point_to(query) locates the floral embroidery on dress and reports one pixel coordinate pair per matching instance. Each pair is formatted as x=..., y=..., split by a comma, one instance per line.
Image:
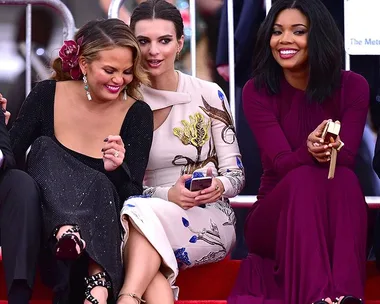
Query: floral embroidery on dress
x=221, y=115
x=236, y=177
x=149, y=191
x=182, y=257
x=210, y=236
x=195, y=132
x=225, y=208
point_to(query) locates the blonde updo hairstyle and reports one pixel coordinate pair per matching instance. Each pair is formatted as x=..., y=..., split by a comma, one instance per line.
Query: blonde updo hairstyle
x=99, y=35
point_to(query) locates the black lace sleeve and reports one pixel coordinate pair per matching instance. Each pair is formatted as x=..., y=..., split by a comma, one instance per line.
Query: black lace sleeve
x=137, y=135
x=28, y=125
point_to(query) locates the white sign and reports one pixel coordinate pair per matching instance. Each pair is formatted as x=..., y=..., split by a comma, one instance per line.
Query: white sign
x=362, y=27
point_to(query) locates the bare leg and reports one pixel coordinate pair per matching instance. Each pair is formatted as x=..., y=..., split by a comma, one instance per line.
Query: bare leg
x=142, y=262
x=100, y=293
x=159, y=291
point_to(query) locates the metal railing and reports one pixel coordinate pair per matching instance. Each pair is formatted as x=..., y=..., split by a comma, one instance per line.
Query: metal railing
x=68, y=28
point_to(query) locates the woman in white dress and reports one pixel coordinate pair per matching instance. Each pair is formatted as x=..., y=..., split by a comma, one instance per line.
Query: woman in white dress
x=170, y=227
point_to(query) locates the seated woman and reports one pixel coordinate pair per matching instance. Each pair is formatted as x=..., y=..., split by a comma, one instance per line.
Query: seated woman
x=90, y=138
x=172, y=227
x=306, y=234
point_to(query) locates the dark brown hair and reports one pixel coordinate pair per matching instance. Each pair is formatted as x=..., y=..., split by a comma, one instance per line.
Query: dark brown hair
x=158, y=9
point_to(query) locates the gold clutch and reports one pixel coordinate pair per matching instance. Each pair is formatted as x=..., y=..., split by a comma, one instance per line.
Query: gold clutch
x=329, y=135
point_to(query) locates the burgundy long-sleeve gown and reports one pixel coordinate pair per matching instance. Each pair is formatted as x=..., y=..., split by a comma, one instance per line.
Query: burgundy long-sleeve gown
x=306, y=234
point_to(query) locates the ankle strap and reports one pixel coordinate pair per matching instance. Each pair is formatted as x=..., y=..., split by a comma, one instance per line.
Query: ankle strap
x=132, y=295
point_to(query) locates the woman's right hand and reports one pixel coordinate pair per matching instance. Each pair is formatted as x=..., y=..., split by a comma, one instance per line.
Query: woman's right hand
x=316, y=146
x=181, y=196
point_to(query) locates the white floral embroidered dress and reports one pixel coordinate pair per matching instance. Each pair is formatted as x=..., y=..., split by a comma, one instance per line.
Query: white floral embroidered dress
x=197, y=134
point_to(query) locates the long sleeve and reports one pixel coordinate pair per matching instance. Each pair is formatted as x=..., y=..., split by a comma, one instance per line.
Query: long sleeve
x=7, y=158
x=27, y=126
x=355, y=110
x=230, y=167
x=269, y=135
x=137, y=138
x=158, y=192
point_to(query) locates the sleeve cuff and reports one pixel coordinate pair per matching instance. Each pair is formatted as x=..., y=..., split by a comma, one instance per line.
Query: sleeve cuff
x=162, y=193
x=229, y=191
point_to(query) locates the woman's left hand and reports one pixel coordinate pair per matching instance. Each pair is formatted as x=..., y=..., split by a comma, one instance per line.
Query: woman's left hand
x=3, y=105
x=212, y=193
x=113, y=152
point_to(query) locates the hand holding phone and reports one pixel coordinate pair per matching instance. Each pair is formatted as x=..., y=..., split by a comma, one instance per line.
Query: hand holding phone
x=200, y=183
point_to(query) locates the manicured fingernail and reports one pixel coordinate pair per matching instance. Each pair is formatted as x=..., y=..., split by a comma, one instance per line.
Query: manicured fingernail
x=327, y=153
x=106, y=139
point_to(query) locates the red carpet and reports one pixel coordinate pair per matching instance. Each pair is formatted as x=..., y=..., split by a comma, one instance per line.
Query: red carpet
x=209, y=284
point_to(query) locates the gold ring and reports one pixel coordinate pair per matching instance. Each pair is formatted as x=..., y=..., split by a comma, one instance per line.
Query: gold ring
x=216, y=188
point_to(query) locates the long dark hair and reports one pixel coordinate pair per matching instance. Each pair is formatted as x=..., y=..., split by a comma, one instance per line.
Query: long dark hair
x=325, y=50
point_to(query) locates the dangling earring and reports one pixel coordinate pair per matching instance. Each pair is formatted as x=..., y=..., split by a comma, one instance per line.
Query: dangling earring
x=125, y=96
x=86, y=87
x=177, y=56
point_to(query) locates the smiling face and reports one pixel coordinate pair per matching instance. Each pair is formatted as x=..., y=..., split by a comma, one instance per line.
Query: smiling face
x=289, y=40
x=159, y=45
x=109, y=74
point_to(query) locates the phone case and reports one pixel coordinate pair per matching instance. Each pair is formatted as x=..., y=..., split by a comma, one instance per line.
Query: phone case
x=200, y=183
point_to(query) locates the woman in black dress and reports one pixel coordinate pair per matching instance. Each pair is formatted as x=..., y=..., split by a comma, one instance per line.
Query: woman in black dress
x=90, y=137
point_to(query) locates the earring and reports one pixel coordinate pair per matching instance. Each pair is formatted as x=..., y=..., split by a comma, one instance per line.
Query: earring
x=125, y=96
x=177, y=56
x=86, y=87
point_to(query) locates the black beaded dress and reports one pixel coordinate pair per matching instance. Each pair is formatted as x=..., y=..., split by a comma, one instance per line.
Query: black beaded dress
x=75, y=188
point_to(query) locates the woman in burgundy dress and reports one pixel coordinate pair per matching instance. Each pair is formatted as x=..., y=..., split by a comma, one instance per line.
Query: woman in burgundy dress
x=306, y=234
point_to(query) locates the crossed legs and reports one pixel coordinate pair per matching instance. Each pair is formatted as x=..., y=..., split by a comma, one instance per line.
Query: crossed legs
x=143, y=279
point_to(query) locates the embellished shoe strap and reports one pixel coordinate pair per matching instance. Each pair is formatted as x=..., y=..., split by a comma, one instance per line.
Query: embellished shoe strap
x=95, y=277
x=132, y=295
x=73, y=229
x=94, y=281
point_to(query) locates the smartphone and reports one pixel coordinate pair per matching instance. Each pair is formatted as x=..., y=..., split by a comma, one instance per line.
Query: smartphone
x=200, y=183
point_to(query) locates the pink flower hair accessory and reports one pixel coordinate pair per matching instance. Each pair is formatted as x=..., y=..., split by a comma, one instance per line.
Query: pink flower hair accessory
x=69, y=54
